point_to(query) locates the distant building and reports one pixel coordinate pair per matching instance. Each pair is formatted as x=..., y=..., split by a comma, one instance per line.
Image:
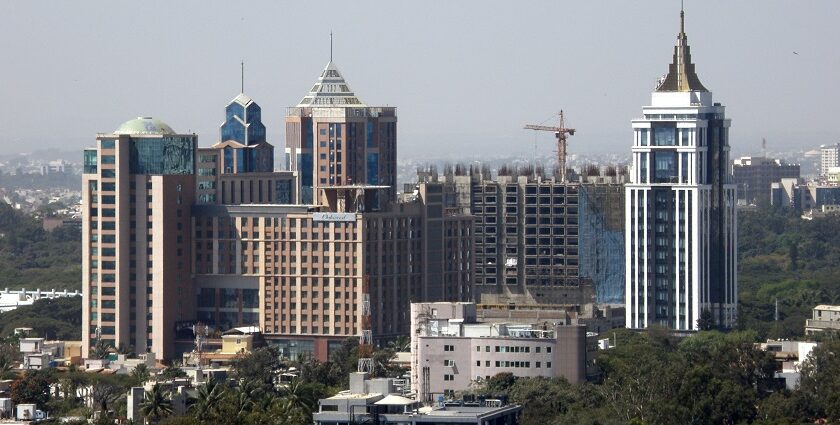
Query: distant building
x=451, y=349
x=51, y=223
x=381, y=401
x=10, y=300
x=789, y=356
x=825, y=318
x=802, y=196
x=829, y=158
x=753, y=177
x=681, y=239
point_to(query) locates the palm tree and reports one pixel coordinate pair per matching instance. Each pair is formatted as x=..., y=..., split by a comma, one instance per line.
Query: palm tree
x=141, y=373
x=208, y=400
x=242, y=403
x=128, y=350
x=100, y=350
x=400, y=345
x=298, y=396
x=156, y=403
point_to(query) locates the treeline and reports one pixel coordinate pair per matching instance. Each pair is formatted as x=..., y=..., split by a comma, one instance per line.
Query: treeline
x=31, y=257
x=58, y=318
x=41, y=181
x=783, y=257
x=653, y=378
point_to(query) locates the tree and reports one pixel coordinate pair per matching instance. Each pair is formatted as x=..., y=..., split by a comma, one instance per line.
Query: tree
x=706, y=322
x=171, y=372
x=819, y=384
x=300, y=396
x=32, y=387
x=100, y=350
x=141, y=373
x=104, y=395
x=156, y=403
x=207, y=402
x=260, y=365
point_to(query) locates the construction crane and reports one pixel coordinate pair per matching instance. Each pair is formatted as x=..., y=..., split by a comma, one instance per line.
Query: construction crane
x=560, y=132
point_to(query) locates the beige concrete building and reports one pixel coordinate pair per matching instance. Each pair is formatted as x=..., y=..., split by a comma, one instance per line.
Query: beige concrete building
x=137, y=189
x=301, y=273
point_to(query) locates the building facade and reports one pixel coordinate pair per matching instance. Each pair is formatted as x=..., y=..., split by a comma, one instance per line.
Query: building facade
x=824, y=318
x=805, y=196
x=753, y=176
x=302, y=275
x=333, y=139
x=451, y=349
x=137, y=189
x=176, y=235
x=680, y=206
x=383, y=401
x=829, y=157
x=539, y=240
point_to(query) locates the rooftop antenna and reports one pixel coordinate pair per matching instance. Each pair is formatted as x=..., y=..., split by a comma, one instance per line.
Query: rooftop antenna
x=331, y=45
x=682, y=17
x=242, y=77
x=764, y=146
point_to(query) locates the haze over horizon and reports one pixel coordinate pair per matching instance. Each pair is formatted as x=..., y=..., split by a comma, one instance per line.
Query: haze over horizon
x=465, y=76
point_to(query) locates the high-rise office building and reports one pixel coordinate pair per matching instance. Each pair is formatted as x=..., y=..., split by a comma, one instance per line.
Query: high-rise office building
x=333, y=139
x=137, y=190
x=680, y=206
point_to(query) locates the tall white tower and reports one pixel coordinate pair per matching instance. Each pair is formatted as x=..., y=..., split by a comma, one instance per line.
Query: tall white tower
x=681, y=247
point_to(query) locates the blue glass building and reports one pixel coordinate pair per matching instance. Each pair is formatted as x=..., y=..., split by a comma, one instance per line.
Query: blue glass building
x=243, y=125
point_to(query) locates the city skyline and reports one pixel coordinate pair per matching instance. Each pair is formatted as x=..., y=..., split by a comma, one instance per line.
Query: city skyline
x=485, y=69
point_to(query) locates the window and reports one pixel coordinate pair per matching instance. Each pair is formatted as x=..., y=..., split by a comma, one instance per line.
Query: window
x=548, y=364
x=548, y=350
x=449, y=363
x=448, y=348
x=448, y=377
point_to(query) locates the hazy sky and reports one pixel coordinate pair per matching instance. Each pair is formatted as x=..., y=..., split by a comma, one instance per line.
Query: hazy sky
x=465, y=75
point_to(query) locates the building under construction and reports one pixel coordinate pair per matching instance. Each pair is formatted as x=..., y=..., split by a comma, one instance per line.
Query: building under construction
x=540, y=239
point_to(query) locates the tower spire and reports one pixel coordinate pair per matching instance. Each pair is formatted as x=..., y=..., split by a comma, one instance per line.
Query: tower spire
x=681, y=76
x=242, y=77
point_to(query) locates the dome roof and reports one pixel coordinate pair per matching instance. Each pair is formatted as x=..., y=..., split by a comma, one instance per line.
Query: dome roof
x=144, y=125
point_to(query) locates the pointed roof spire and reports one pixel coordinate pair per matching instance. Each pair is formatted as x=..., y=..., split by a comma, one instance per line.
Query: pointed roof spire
x=242, y=77
x=331, y=90
x=681, y=75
